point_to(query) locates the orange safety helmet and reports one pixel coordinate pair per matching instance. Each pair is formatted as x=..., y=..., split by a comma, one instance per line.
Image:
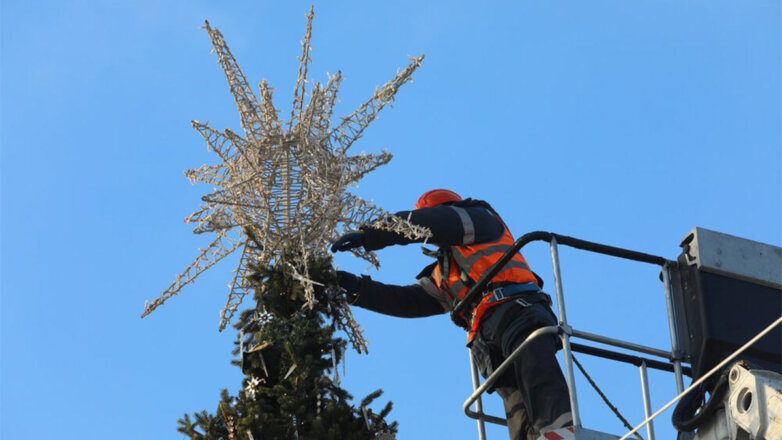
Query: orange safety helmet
x=436, y=197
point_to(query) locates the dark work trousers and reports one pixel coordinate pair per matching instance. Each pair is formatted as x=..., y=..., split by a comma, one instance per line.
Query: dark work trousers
x=534, y=390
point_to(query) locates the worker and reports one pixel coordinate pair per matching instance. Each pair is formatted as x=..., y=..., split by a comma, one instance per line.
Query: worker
x=470, y=237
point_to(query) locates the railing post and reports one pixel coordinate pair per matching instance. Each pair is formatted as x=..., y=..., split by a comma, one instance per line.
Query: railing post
x=499, y=371
x=677, y=363
x=571, y=382
x=647, y=400
x=479, y=401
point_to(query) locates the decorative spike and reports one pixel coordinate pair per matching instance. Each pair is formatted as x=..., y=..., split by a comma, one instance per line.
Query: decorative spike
x=271, y=120
x=246, y=102
x=351, y=127
x=330, y=98
x=336, y=378
x=217, y=142
x=263, y=364
x=301, y=81
x=290, y=371
x=239, y=289
x=220, y=248
x=209, y=174
x=358, y=166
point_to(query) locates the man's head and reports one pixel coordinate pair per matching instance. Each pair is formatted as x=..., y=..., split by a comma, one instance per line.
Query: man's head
x=436, y=197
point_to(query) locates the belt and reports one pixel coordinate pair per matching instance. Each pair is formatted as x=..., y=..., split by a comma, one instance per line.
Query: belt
x=519, y=290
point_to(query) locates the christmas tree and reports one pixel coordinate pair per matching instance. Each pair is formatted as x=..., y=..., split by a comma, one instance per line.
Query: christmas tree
x=290, y=354
x=280, y=199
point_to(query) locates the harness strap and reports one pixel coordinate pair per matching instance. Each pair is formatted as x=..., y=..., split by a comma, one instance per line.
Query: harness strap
x=526, y=292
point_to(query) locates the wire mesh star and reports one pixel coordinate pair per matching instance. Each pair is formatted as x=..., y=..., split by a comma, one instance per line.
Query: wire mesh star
x=281, y=191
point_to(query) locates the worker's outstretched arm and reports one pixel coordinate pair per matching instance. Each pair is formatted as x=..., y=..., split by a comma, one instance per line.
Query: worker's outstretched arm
x=451, y=225
x=412, y=301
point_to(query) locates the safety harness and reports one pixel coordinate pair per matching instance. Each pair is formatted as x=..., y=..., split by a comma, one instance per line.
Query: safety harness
x=459, y=267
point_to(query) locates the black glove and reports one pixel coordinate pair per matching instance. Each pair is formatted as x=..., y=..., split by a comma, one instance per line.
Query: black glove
x=347, y=287
x=349, y=241
x=349, y=282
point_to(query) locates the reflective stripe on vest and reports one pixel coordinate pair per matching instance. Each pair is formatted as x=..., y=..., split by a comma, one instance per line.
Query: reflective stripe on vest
x=464, y=265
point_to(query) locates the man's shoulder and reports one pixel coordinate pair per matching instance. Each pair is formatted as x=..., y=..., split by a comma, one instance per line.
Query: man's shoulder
x=476, y=204
x=473, y=203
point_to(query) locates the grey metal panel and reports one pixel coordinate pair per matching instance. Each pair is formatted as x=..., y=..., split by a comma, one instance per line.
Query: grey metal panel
x=734, y=257
x=679, y=317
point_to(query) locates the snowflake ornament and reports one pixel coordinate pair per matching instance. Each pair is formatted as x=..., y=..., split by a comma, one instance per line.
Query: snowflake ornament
x=281, y=190
x=252, y=386
x=262, y=318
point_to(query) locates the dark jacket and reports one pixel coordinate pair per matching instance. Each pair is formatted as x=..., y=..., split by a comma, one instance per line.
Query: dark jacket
x=459, y=223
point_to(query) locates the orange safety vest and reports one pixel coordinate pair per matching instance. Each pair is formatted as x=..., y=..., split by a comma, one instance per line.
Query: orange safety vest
x=465, y=265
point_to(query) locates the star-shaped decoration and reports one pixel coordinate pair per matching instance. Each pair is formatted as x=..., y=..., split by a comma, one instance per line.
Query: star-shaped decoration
x=281, y=190
x=252, y=386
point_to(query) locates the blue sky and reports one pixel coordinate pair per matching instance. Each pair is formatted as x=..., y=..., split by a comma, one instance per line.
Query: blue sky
x=622, y=123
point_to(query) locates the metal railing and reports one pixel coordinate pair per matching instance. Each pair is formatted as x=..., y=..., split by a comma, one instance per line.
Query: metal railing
x=565, y=331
